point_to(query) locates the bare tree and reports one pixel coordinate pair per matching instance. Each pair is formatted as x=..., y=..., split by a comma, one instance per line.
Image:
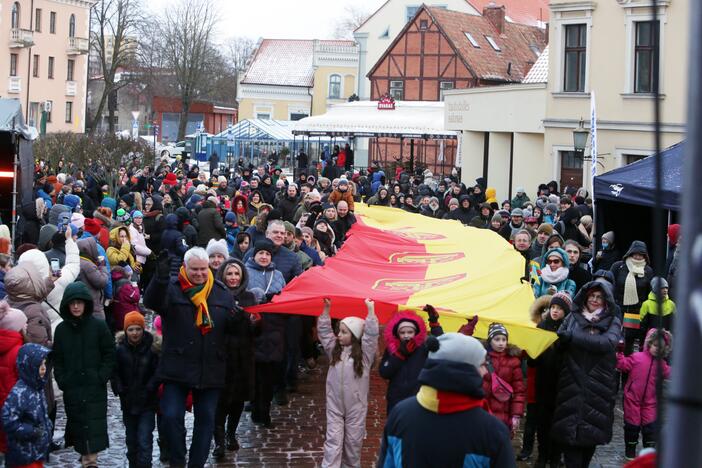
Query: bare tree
x=113, y=45
x=353, y=17
x=188, y=52
x=238, y=51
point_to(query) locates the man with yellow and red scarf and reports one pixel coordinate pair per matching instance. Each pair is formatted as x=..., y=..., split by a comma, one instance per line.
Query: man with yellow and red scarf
x=196, y=313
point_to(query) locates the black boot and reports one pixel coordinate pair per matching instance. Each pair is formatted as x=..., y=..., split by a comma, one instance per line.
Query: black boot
x=232, y=443
x=631, y=440
x=218, y=452
x=630, y=450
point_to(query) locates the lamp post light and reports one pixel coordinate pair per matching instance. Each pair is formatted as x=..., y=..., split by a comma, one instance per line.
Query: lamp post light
x=580, y=135
x=135, y=124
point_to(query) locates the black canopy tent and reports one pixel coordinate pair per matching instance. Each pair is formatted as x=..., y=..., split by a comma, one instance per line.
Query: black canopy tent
x=625, y=197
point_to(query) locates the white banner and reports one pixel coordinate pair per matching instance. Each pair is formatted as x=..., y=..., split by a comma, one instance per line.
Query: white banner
x=593, y=144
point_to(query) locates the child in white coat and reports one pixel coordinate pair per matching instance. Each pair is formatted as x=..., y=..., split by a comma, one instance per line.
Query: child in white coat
x=351, y=354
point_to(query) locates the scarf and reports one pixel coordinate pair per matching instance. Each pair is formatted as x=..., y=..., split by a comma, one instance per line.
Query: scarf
x=441, y=402
x=198, y=295
x=554, y=277
x=636, y=268
x=592, y=317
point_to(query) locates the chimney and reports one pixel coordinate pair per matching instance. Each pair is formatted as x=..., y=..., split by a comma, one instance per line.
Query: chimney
x=496, y=15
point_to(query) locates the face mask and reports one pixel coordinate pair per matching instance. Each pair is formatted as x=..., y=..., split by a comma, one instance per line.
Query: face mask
x=605, y=245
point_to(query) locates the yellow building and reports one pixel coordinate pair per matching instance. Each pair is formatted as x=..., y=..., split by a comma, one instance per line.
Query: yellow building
x=293, y=79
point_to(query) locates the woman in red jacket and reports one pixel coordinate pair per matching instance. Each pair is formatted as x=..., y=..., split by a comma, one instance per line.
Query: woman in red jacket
x=504, y=386
x=13, y=324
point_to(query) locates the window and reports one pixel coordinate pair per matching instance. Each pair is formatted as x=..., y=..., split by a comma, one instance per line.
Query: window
x=69, y=112
x=645, y=56
x=35, y=66
x=263, y=116
x=397, y=90
x=37, y=20
x=632, y=158
x=50, y=70
x=335, y=86
x=423, y=25
x=52, y=22
x=34, y=112
x=446, y=85
x=411, y=11
x=575, y=48
x=13, y=64
x=15, y=21
x=69, y=73
x=72, y=26
x=492, y=43
x=297, y=116
x=48, y=114
x=472, y=40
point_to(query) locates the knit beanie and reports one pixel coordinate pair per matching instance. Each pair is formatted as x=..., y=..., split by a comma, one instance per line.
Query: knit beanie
x=552, y=207
x=221, y=179
x=453, y=201
x=307, y=230
x=217, y=247
x=78, y=220
x=496, y=218
x=405, y=323
x=545, y=228
x=264, y=244
x=11, y=319
x=456, y=347
x=517, y=212
x=72, y=201
x=92, y=226
x=137, y=214
x=230, y=217
x=562, y=299
x=289, y=227
x=355, y=326
x=495, y=329
x=134, y=318
x=122, y=216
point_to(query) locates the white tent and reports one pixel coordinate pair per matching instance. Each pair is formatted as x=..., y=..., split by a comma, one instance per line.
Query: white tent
x=409, y=119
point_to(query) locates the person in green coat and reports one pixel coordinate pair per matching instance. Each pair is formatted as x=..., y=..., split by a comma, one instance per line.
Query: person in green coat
x=84, y=356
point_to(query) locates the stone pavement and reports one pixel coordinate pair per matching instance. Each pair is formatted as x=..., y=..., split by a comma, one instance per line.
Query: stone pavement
x=297, y=438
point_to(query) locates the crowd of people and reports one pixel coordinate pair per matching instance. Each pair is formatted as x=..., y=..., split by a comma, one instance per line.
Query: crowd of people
x=94, y=259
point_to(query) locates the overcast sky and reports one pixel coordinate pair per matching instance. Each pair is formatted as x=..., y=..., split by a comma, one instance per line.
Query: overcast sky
x=280, y=19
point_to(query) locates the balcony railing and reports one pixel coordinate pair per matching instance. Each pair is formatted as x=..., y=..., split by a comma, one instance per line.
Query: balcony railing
x=21, y=38
x=78, y=46
x=71, y=88
x=14, y=86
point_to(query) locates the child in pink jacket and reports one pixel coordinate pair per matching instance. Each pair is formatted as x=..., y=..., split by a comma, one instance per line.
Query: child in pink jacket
x=640, y=390
x=351, y=354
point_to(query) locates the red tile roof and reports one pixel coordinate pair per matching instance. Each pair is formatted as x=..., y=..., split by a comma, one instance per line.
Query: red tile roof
x=531, y=12
x=520, y=45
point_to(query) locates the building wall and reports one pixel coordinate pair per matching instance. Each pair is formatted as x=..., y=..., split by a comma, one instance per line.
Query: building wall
x=279, y=109
x=320, y=91
x=624, y=118
x=378, y=32
x=46, y=44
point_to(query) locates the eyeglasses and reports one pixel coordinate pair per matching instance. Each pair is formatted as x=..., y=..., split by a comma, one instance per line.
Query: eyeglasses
x=553, y=261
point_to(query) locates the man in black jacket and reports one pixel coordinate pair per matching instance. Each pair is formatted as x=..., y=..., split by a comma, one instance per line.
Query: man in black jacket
x=196, y=312
x=446, y=424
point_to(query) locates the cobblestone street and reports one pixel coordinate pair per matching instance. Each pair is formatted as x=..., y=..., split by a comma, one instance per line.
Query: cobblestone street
x=297, y=438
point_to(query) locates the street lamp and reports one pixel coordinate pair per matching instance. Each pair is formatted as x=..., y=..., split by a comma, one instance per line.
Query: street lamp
x=135, y=124
x=580, y=135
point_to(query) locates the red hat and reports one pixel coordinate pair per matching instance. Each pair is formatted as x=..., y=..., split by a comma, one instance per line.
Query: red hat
x=92, y=225
x=170, y=179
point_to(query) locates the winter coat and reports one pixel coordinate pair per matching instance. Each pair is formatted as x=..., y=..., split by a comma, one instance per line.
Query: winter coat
x=240, y=344
x=347, y=395
x=26, y=290
x=211, y=225
x=69, y=273
x=154, y=225
x=126, y=298
x=640, y=389
x=587, y=381
x=121, y=254
x=93, y=275
x=189, y=357
x=134, y=377
x=3, y=294
x=25, y=417
x=519, y=201
x=139, y=243
x=337, y=195
x=287, y=207
x=269, y=280
x=83, y=357
x=403, y=372
x=568, y=230
x=508, y=366
x=621, y=271
x=464, y=215
x=173, y=241
x=286, y=262
x=419, y=436
x=103, y=253
x=579, y=275
x=649, y=313
x=10, y=343
x=541, y=287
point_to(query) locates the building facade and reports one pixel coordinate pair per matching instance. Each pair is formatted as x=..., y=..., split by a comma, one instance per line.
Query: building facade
x=46, y=60
x=293, y=79
x=166, y=114
x=522, y=135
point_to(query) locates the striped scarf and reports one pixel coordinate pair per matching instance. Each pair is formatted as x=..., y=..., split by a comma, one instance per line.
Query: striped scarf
x=198, y=294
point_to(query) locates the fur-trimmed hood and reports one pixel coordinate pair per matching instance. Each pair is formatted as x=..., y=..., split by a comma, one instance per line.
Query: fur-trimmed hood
x=392, y=341
x=539, y=307
x=155, y=338
x=106, y=222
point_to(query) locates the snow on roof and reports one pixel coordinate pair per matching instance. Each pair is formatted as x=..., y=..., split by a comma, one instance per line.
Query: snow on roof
x=530, y=12
x=362, y=118
x=539, y=72
x=259, y=129
x=285, y=62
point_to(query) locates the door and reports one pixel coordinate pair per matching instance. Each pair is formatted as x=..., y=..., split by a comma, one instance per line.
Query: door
x=571, y=170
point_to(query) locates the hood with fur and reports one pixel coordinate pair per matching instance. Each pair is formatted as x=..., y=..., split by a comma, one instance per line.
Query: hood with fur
x=539, y=307
x=651, y=336
x=154, y=338
x=392, y=341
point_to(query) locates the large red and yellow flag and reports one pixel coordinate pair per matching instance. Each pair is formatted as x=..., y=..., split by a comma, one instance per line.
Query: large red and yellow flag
x=404, y=261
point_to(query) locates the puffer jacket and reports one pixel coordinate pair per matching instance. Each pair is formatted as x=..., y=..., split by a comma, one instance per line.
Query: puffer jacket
x=508, y=366
x=173, y=241
x=26, y=290
x=403, y=371
x=640, y=390
x=268, y=279
x=94, y=276
x=121, y=253
x=126, y=297
x=134, y=377
x=10, y=343
x=69, y=273
x=211, y=224
x=139, y=244
x=541, y=287
x=25, y=417
x=587, y=384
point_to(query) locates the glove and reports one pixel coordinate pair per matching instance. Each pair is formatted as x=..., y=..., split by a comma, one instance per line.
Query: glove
x=432, y=313
x=469, y=327
x=407, y=347
x=163, y=266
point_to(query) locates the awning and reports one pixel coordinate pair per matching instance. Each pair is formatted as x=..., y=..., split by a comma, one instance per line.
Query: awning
x=11, y=119
x=409, y=119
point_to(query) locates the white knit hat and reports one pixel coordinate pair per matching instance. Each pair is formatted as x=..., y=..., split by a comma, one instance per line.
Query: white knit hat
x=355, y=326
x=458, y=348
x=217, y=246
